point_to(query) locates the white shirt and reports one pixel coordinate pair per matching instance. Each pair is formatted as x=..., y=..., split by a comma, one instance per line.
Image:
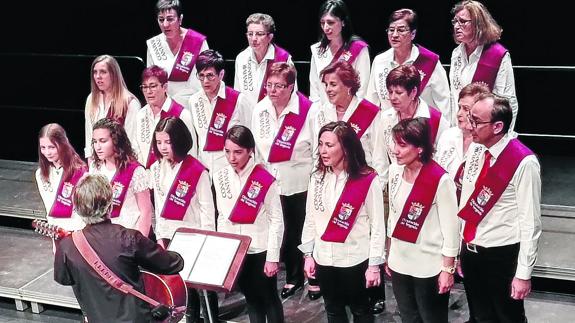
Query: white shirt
x=293, y=175
x=449, y=153
x=366, y=238
x=129, y=122
x=389, y=118
x=319, y=62
x=268, y=228
x=461, y=73
x=435, y=93
x=516, y=216
x=164, y=58
x=200, y=213
x=130, y=212
x=201, y=109
x=325, y=113
x=146, y=123
x=48, y=192
x=249, y=74
x=439, y=235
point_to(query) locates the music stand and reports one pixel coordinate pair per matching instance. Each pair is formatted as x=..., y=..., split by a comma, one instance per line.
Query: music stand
x=212, y=260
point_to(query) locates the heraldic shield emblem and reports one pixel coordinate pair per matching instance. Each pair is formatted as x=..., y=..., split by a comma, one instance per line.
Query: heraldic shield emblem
x=345, y=211
x=186, y=58
x=182, y=189
x=415, y=211
x=484, y=196
x=117, y=189
x=219, y=120
x=254, y=190
x=67, y=190
x=288, y=133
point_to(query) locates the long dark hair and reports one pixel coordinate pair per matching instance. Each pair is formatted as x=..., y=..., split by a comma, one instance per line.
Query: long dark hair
x=180, y=137
x=416, y=132
x=69, y=158
x=336, y=8
x=353, y=153
x=123, y=151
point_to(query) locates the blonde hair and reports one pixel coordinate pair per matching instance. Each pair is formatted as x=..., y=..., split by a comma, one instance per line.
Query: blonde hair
x=487, y=30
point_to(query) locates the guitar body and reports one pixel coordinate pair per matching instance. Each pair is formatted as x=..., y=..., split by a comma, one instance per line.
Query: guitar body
x=169, y=290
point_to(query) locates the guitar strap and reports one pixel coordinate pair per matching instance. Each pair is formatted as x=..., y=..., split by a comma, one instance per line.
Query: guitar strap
x=98, y=265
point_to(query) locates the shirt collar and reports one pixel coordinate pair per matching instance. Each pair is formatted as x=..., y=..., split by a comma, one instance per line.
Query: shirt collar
x=270, y=53
x=498, y=147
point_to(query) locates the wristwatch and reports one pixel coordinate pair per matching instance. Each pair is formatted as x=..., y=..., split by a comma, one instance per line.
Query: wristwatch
x=448, y=269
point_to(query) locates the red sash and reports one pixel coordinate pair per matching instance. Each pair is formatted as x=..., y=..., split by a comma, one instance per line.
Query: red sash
x=121, y=120
x=174, y=110
x=284, y=142
x=418, y=203
x=489, y=63
x=186, y=59
x=350, y=54
x=120, y=184
x=363, y=116
x=252, y=196
x=183, y=189
x=63, y=204
x=434, y=120
x=425, y=64
x=347, y=208
x=221, y=117
x=281, y=55
x=458, y=180
x=488, y=190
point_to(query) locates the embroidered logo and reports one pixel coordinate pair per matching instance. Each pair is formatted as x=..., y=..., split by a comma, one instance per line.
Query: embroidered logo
x=254, y=190
x=345, y=211
x=186, y=58
x=484, y=196
x=67, y=190
x=421, y=73
x=117, y=189
x=355, y=127
x=415, y=211
x=288, y=133
x=345, y=56
x=182, y=189
x=219, y=120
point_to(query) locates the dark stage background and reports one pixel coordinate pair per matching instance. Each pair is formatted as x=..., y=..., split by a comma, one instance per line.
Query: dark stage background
x=48, y=47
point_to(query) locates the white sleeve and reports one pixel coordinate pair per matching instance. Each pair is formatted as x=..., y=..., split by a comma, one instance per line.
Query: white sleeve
x=88, y=129
x=505, y=86
x=206, y=202
x=130, y=124
x=440, y=89
x=376, y=214
x=371, y=91
x=186, y=117
x=448, y=221
x=315, y=86
x=276, y=223
x=363, y=67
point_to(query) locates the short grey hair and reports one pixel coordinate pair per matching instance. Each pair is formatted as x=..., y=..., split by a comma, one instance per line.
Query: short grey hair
x=261, y=18
x=93, y=198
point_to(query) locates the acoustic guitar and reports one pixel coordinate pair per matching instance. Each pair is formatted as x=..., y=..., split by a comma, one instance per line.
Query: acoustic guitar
x=168, y=290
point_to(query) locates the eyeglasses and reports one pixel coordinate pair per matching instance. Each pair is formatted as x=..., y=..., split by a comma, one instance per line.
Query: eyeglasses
x=208, y=76
x=258, y=34
x=474, y=123
x=278, y=86
x=170, y=20
x=152, y=87
x=399, y=30
x=461, y=22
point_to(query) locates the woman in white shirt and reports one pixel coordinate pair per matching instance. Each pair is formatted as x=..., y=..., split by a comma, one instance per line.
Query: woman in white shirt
x=248, y=203
x=115, y=159
x=284, y=144
x=109, y=98
x=423, y=228
x=59, y=169
x=336, y=42
x=182, y=194
x=344, y=230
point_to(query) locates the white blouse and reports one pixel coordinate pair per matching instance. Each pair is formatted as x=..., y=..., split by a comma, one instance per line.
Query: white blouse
x=200, y=213
x=449, y=153
x=293, y=175
x=438, y=236
x=367, y=236
x=320, y=61
x=48, y=192
x=268, y=228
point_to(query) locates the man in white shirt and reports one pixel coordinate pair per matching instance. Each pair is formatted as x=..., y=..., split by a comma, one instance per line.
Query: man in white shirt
x=501, y=194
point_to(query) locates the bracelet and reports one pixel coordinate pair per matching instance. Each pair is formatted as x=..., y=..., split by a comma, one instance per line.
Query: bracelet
x=307, y=255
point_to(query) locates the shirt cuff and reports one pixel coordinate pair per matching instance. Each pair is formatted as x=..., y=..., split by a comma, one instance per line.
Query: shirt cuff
x=523, y=272
x=375, y=261
x=273, y=256
x=306, y=247
x=450, y=252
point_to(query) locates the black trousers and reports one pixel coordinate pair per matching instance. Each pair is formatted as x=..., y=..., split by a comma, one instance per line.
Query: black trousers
x=377, y=293
x=293, y=208
x=260, y=291
x=487, y=279
x=418, y=300
x=196, y=301
x=345, y=286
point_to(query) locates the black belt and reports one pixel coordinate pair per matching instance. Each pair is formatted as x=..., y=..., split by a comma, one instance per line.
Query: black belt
x=479, y=249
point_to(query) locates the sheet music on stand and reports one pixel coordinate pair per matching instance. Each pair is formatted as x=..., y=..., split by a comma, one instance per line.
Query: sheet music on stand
x=212, y=260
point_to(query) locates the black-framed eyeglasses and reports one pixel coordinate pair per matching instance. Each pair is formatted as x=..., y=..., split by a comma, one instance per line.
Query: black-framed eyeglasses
x=278, y=86
x=170, y=20
x=152, y=87
x=398, y=30
x=208, y=76
x=460, y=21
x=474, y=123
x=257, y=34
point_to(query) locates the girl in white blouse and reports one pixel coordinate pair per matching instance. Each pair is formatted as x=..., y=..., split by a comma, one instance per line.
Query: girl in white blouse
x=344, y=230
x=422, y=226
x=115, y=159
x=59, y=169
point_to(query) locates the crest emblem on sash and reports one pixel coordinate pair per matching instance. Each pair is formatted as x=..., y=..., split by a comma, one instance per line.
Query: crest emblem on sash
x=355, y=127
x=117, y=189
x=484, y=196
x=182, y=189
x=254, y=189
x=345, y=56
x=421, y=73
x=219, y=120
x=67, y=190
x=288, y=133
x=345, y=211
x=186, y=58
x=415, y=211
